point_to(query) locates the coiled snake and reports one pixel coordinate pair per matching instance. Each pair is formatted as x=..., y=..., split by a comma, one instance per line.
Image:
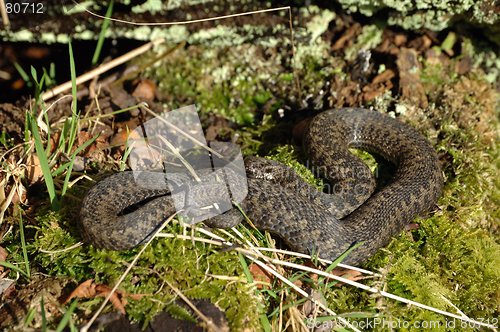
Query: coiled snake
x=280, y=202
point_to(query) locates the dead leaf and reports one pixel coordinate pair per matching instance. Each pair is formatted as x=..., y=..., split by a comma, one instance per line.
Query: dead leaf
x=7, y=289
x=119, y=139
x=118, y=301
x=3, y=254
x=85, y=290
x=260, y=276
x=34, y=169
x=146, y=89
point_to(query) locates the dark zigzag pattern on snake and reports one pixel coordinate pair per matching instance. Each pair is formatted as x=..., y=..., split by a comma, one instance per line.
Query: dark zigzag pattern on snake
x=280, y=202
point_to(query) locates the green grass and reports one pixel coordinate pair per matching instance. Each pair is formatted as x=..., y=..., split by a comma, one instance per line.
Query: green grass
x=75, y=114
x=23, y=244
x=23, y=74
x=102, y=34
x=26, y=271
x=454, y=254
x=66, y=319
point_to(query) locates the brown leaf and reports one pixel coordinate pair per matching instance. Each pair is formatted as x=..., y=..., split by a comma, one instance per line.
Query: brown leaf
x=260, y=276
x=146, y=89
x=86, y=289
x=409, y=78
x=349, y=274
x=3, y=255
x=34, y=169
x=116, y=299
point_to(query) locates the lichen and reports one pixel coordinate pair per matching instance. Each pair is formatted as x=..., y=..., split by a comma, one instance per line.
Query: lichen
x=369, y=38
x=433, y=15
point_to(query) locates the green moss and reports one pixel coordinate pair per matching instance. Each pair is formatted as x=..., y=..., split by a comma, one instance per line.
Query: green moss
x=288, y=155
x=184, y=265
x=452, y=257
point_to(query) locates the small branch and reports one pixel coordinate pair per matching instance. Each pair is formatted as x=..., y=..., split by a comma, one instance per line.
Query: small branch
x=102, y=68
x=5, y=17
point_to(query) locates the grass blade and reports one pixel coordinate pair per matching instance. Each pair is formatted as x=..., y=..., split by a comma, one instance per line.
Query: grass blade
x=74, y=115
x=23, y=74
x=68, y=176
x=44, y=163
x=29, y=317
x=102, y=34
x=13, y=268
x=67, y=316
x=23, y=244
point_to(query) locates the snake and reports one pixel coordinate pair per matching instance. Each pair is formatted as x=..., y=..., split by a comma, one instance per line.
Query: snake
x=118, y=214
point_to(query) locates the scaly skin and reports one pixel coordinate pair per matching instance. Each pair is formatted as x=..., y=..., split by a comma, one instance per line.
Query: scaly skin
x=280, y=202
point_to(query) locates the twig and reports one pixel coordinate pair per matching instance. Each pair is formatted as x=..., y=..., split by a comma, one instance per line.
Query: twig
x=260, y=11
x=5, y=17
x=188, y=21
x=253, y=255
x=102, y=68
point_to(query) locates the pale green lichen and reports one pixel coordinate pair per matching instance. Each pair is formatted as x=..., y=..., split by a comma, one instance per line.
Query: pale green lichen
x=315, y=48
x=150, y=6
x=319, y=23
x=369, y=38
x=484, y=58
x=430, y=14
x=78, y=7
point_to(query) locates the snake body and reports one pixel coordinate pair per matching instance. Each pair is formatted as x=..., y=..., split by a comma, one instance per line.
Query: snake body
x=279, y=201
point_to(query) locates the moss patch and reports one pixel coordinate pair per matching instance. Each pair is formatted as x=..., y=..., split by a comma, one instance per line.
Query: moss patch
x=452, y=258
